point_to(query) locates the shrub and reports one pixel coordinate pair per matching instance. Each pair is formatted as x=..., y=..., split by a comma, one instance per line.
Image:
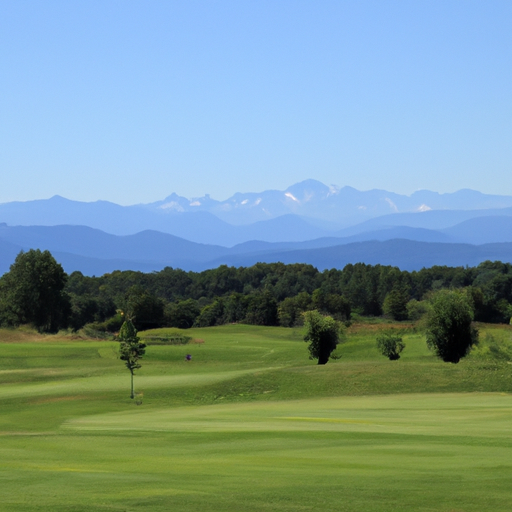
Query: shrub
x=450, y=332
x=390, y=345
x=323, y=335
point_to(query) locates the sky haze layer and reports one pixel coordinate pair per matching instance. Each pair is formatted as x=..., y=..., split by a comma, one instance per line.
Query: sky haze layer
x=130, y=101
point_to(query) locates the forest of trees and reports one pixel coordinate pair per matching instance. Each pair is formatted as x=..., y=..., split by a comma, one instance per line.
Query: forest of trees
x=263, y=294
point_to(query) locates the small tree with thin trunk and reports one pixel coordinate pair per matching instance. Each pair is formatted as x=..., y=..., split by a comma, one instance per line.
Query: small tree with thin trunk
x=131, y=349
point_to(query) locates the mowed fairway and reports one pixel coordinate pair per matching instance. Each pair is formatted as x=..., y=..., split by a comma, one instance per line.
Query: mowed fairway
x=251, y=425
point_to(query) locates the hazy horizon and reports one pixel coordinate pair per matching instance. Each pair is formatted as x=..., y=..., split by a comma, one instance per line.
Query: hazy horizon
x=221, y=199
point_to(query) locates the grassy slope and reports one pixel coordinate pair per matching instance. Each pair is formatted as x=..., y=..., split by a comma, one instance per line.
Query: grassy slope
x=251, y=424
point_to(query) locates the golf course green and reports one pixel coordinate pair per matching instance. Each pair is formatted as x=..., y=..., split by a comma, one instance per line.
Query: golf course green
x=251, y=424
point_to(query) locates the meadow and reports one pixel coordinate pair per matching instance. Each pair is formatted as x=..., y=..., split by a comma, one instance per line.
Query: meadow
x=250, y=424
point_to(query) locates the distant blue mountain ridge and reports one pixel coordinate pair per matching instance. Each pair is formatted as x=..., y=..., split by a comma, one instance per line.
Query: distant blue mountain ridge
x=94, y=252
x=328, y=208
x=309, y=222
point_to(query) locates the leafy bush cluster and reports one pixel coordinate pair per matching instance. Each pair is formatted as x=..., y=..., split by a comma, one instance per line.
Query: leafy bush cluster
x=323, y=335
x=390, y=345
x=450, y=332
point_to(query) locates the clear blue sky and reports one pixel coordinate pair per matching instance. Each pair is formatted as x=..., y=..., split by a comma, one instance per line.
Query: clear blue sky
x=130, y=101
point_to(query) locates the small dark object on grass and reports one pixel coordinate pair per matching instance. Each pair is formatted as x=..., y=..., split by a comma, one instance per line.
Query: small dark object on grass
x=188, y=357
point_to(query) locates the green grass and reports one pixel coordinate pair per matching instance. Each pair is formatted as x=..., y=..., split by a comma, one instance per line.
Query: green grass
x=250, y=424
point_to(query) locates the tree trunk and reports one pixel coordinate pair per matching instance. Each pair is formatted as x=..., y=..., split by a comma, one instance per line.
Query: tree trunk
x=132, y=395
x=322, y=359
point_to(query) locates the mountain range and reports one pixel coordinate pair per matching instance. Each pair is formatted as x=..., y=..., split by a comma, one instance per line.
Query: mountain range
x=340, y=206
x=309, y=222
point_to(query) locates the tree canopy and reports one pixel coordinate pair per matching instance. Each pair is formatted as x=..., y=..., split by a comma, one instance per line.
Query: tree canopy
x=323, y=335
x=450, y=332
x=32, y=292
x=263, y=294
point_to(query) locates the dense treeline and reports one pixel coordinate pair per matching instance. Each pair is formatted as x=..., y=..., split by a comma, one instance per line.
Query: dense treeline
x=264, y=294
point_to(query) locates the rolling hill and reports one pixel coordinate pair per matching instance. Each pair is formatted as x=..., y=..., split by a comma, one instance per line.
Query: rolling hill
x=94, y=252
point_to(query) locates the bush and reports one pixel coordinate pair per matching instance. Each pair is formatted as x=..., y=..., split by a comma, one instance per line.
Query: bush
x=111, y=325
x=416, y=309
x=450, y=332
x=323, y=335
x=172, y=338
x=390, y=345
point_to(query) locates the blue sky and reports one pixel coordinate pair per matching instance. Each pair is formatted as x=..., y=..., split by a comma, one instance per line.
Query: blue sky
x=130, y=101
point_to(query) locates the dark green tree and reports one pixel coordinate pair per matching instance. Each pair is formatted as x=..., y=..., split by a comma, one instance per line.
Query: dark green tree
x=131, y=349
x=390, y=345
x=331, y=304
x=181, y=314
x=32, y=292
x=262, y=309
x=290, y=310
x=450, y=333
x=235, y=308
x=323, y=335
x=146, y=310
x=83, y=310
x=395, y=304
x=211, y=314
